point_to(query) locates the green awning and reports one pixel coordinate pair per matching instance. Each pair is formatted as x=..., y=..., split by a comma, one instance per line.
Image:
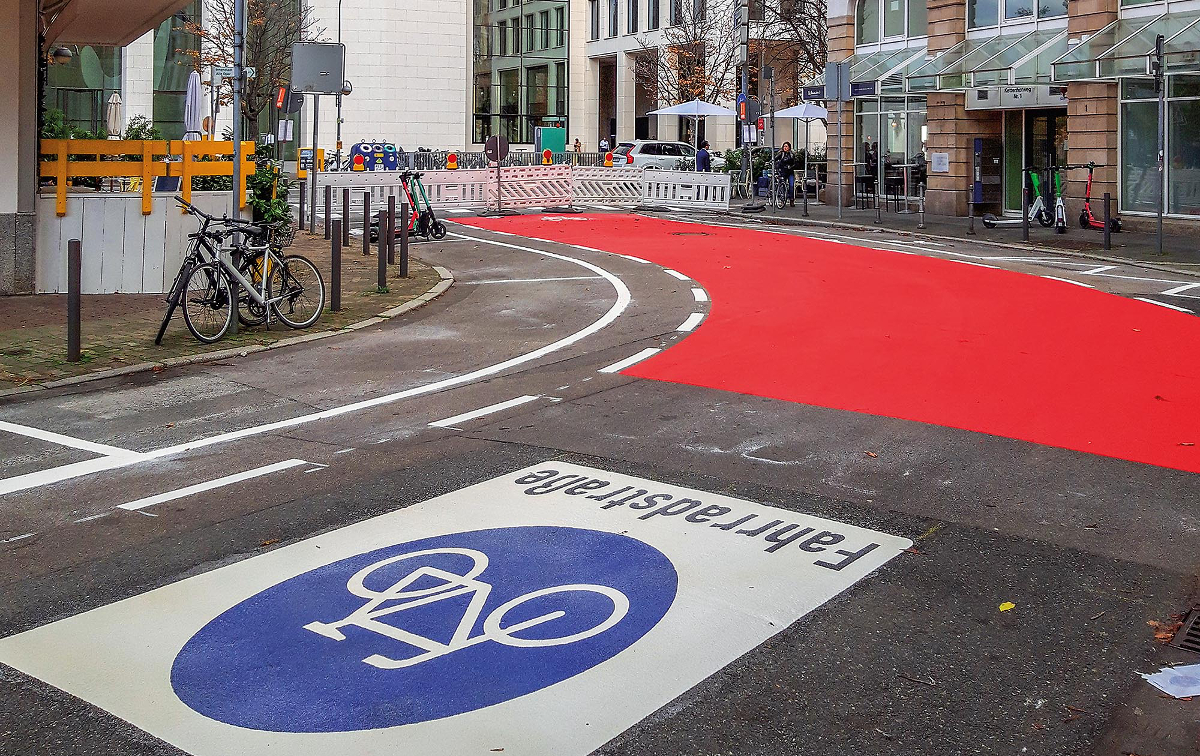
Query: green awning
x=1125, y=47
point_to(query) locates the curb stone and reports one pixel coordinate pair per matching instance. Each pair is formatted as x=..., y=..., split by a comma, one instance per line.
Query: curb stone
x=446, y=280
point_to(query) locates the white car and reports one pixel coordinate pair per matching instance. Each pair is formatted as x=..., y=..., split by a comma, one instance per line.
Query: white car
x=649, y=153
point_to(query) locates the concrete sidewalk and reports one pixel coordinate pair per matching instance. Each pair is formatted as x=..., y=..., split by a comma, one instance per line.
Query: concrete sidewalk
x=1182, y=251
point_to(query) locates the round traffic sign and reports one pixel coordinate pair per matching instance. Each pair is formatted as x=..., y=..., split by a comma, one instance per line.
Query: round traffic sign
x=496, y=147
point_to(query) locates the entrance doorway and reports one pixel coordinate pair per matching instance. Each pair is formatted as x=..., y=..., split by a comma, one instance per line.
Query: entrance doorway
x=1035, y=139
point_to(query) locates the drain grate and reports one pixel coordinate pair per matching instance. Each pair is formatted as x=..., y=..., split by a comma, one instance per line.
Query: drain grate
x=1188, y=637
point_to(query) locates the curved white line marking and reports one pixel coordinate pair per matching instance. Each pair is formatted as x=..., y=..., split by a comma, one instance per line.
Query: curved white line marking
x=42, y=477
x=676, y=274
x=692, y=321
x=1067, y=280
x=1164, y=304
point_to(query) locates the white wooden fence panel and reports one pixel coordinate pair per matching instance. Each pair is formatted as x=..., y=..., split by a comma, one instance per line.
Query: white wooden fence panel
x=709, y=191
x=606, y=186
x=154, y=247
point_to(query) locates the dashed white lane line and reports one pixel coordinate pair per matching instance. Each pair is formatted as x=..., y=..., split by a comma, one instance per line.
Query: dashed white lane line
x=455, y=211
x=528, y=280
x=1164, y=304
x=635, y=259
x=604, y=207
x=976, y=264
x=452, y=422
x=692, y=321
x=18, y=538
x=676, y=273
x=61, y=440
x=1096, y=270
x=1180, y=289
x=617, y=367
x=1067, y=280
x=699, y=294
x=179, y=493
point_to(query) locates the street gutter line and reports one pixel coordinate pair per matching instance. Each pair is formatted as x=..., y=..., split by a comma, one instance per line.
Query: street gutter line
x=617, y=367
x=76, y=469
x=179, y=493
x=451, y=422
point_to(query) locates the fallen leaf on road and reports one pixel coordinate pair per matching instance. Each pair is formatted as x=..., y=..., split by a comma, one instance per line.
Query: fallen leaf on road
x=1164, y=632
x=1187, y=443
x=1159, y=398
x=872, y=455
x=269, y=542
x=1007, y=605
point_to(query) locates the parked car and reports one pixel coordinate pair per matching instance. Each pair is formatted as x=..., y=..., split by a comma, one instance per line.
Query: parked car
x=652, y=153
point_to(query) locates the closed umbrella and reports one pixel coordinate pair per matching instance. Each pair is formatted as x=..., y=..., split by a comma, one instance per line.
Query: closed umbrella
x=191, y=108
x=696, y=109
x=112, y=117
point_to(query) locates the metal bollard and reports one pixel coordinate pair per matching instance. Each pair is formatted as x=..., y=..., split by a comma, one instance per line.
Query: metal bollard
x=921, y=208
x=302, y=193
x=404, y=211
x=346, y=217
x=366, y=223
x=328, y=210
x=1107, y=220
x=335, y=264
x=383, y=252
x=1024, y=212
x=805, y=210
x=391, y=215
x=971, y=212
x=74, y=275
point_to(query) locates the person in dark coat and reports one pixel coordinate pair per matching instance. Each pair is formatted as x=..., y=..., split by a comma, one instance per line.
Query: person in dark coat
x=785, y=166
x=703, y=158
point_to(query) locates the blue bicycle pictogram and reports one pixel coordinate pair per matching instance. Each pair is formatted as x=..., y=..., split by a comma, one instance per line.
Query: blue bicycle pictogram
x=425, y=630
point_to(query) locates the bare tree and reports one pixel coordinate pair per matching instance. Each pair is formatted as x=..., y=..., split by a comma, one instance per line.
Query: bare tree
x=694, y=57
x=794, y=36
x=271, y=29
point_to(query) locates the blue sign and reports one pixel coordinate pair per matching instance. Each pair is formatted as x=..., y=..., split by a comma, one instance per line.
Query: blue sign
x=425, y=630
x=374, y=156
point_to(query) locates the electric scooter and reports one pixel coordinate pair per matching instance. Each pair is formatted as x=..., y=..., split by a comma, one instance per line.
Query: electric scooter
x=427, y=223
x=409, y=227
x=1060, y=208
x=1037, y=211
x=1086, y=218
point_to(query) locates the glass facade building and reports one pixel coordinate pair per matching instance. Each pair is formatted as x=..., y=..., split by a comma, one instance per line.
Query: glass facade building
x=519, y=68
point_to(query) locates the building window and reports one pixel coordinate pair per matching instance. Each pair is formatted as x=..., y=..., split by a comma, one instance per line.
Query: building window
x=676, y=16
x=756, y=10
x=594, y=12
x=530, y=33
x=614, y=21
x=544, y=29
x=918, y=18
x=632, y=13
x=560, y=88
x=866, y=22
x=1139, y=146
x=699, y=11
x=501, y=4
x=502, y=33
x=892, y=19
x=516, y=35
x=652, y=15
x=560, y=26
x=982, y=13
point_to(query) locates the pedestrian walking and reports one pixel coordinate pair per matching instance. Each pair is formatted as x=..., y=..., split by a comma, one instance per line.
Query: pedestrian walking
x=604, y=144
x=785, y=166
x=578, y=146
x=703, y=158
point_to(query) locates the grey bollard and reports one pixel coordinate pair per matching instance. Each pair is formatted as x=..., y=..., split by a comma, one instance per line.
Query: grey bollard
x=335, y=264
x=328, y=210
x=366, y=223
x=346, y=217
x=74, y=275
x=404, y=212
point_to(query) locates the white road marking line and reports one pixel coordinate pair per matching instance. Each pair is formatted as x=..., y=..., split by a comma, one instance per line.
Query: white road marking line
x=455, y=210
x=1026, y=258
x=18, y=538
x=1067, y=280
x=976, y=264
x=61, y=440
x=617, y=367
x=179, y=493
x=604, y=207
x=344, y=451
x=1164, y=304
x=63, y=472
x=1178, y=289
x=528, y=280
x=676, y=273
x=700, y=295
x=93, y=517
x=635, y=259
x=580, y=246
x=537, y=209
x=692, y=321
x=451, y=422
x=1094, y=271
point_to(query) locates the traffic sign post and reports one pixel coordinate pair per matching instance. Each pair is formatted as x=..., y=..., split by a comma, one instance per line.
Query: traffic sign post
x=496, y=150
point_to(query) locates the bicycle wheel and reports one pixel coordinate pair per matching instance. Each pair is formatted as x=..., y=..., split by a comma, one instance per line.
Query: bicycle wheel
x=251, y=313
x=299, y=284
x=173, y=298
x=206, y=303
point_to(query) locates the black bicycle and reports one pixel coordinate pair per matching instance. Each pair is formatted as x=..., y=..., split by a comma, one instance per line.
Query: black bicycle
x=268, y=283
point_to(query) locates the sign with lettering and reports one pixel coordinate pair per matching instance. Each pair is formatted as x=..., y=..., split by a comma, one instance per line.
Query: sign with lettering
x=520, y=614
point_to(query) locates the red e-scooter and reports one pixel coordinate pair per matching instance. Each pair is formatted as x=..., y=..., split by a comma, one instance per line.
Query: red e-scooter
x=1087, y=219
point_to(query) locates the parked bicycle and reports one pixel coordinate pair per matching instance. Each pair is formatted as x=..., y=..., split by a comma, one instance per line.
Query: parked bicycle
x=270, y=284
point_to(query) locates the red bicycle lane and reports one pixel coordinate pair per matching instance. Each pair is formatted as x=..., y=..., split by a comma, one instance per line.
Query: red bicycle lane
x=916, y=338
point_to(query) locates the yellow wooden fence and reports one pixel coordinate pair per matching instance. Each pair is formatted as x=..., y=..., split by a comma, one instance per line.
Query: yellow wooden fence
x=152, y=161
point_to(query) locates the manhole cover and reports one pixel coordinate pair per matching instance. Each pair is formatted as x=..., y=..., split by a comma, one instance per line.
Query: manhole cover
x=1188, y=637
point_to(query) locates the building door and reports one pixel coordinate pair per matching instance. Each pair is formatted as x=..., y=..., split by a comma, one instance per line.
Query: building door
x=1045, y=145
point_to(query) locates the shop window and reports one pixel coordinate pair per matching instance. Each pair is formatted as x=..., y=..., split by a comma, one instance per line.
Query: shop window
x=982, y=13
x=1139, y=150
x=1183, y=173
x=1018, y=9
x=893, y=18
x=1052, y=8
x=898, y=18
x=918, y=18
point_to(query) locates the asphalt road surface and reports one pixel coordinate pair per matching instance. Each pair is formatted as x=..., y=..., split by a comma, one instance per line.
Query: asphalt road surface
x=929, y=441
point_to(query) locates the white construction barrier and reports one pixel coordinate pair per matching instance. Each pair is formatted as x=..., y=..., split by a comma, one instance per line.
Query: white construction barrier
x=533, y=186
x=465, y=189
x=380, y=184
x=606, y=186
x=707, y=191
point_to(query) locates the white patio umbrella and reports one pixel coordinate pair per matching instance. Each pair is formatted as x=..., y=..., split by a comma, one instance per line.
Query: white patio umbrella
x=696, y=109
x=191, y=108
x=113, y=120
x=808, y=113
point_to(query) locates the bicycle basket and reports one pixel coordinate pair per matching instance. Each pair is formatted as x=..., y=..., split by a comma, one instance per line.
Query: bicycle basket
x=282, y=237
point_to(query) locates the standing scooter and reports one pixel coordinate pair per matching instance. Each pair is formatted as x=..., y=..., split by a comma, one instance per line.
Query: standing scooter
x=409, y=227
x=1038, y=211
x=1086, y=218
x=427, y=223
x=1060, y=207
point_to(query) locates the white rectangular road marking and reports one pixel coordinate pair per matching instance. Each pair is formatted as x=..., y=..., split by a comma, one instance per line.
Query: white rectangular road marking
x=676, y=274
x=228, y=480
x=635, y=259
x=451, y=422
x=1180, y=289
x=699, y=294
x=976, y=264
x=672, y=579
x=61, y=440
x=1094, y=271
x=528, y=280
x=1067, y=280
x=1164, y=304
x=604, y=207
x=692, y=321
x=617, y=367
